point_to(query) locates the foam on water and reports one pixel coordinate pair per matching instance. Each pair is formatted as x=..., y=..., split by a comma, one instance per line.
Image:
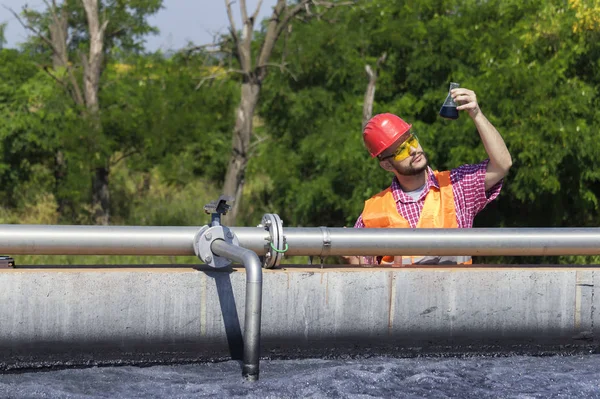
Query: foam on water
x=475, y=377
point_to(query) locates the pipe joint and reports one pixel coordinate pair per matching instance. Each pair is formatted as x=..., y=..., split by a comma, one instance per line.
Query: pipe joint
x=204, y=239
x=276, y=245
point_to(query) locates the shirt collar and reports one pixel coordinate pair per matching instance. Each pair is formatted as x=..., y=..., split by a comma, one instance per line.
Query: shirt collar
x=400, y=195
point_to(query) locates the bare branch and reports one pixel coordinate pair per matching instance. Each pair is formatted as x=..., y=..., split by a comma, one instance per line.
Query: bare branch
x=289, y=15
x=78, y=96
x=202, y=47
x=252, y=146
x=52, y=9
x=282, y=68
x=370, y=92
x=207, y=50
x=381, y=59
x=122, y=157
x=272, y=32
x=116, y=32
x=58, y=35
x=216, y=51
x=306, y=4
x=234, y=35
x=32, y=29
x=103, y=27
x=243, y=11
x=53, y=76
x=232, y=27
x=216, y=75
x=245, y=46
x=331, y=4
x=255, y=14
x=76, y=91
x=70, y=89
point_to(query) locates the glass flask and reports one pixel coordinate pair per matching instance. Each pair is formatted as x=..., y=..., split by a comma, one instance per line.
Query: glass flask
x=448, y=109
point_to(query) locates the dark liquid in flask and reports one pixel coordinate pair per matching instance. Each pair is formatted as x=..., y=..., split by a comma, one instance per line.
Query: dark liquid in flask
x=449, y=112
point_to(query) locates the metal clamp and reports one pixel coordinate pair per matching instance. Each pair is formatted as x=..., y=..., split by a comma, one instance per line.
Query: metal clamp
x=277, y=244
x=6, y=262
x=326, y=242
x=204, y=239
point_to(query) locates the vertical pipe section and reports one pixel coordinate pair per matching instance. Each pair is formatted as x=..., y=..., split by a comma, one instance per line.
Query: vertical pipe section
x=252, y=317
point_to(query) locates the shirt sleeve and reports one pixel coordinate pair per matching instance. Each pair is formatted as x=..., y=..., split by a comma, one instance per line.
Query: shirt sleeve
x=469, y=181
x=359, y=223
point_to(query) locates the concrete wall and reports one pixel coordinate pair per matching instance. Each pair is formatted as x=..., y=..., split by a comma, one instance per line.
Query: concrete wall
x=91, y=316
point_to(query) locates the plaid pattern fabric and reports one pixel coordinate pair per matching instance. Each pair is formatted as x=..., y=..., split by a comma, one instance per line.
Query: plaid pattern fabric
x=470, y=197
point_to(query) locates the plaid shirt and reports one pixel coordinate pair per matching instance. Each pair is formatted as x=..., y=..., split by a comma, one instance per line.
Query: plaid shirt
x=470, y=197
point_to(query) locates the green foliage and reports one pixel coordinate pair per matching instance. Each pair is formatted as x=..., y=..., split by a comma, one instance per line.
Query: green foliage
x=536, y=79
x=127, y=23
x=154, y=115
x=534, y=65
x=30, y=117
x=155, y=121
x=148, y=199
x=127, y=26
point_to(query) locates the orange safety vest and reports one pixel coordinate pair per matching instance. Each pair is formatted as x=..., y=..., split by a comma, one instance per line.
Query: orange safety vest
x=439, y=211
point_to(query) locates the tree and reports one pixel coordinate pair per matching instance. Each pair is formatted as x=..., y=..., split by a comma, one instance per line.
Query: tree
x=532, y=64
x=96, y=28
x=253, y=71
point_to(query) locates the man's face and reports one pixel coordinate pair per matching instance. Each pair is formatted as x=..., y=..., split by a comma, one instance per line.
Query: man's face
x=406, y=156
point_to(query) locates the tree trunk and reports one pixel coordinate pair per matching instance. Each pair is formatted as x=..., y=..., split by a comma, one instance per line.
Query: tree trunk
x=101, y=197
x=92, y=69
x=373, y=74
x=60, y=171
x=236, y=169
x=58, y=36
x=369, y=95
x=253, y=77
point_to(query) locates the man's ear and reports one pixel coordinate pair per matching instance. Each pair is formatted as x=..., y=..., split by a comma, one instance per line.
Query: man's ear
x=385, y=164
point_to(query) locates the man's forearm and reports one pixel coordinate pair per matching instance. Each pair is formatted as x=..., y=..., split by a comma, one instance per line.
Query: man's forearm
x=495, y=147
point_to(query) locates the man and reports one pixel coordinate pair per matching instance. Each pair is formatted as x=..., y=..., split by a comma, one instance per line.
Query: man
x=422, y=198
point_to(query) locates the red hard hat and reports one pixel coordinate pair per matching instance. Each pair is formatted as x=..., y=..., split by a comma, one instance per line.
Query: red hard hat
x=382, y=131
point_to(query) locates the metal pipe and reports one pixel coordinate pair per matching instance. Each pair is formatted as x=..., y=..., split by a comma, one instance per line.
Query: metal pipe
x=252, y=317
x=450, y=242
x=135, y=240
x=22, y=239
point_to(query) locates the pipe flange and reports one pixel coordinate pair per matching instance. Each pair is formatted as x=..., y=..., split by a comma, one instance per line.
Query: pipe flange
x=204, y=239
x=276, y=246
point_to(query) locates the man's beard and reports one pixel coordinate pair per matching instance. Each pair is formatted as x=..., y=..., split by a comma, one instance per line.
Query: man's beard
x=410, y=170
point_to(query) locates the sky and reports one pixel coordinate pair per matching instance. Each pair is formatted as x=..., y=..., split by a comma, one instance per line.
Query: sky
x=179, y=22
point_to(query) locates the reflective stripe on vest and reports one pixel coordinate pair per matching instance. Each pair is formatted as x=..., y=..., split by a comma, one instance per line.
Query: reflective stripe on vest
x=438, y=212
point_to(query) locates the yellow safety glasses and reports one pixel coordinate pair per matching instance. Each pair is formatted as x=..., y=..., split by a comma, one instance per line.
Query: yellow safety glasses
x=403, y=151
